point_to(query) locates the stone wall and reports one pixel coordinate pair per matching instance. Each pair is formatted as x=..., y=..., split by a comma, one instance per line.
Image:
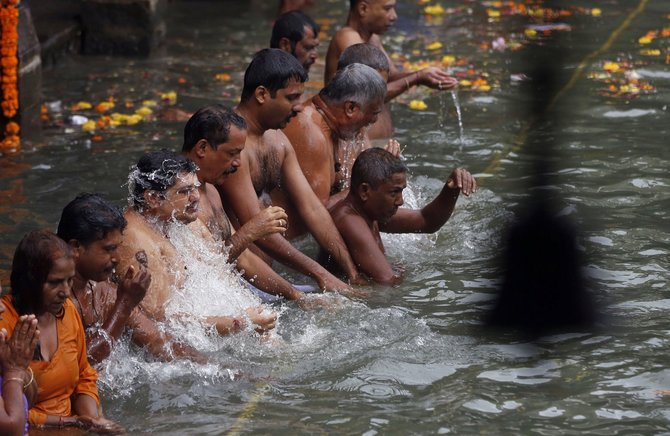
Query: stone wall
x=123, y=27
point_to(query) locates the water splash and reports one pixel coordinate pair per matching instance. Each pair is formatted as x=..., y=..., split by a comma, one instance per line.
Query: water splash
x=347, y=152
x=444, y=113
x=457, y=104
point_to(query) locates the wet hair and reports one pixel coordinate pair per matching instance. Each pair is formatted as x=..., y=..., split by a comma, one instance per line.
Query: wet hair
x=355, y=82
x=34, y=258
x=211, y=123
x=291, y=26
x=271, y=68
x=375, y=166
x=366, y=54
x=89, y=218
x=156, y=171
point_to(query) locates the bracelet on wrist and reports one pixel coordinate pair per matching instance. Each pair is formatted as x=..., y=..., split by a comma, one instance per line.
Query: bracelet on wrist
x=9, y=379
x=32, y=378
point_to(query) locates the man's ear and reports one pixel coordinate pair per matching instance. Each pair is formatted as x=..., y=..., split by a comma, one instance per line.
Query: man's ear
x=285, y=44
x=362, y=7
x=350, y=108
x=261, y=94
x=76, y=246
x=201, y=148
x=151, y=199
x=363, y=191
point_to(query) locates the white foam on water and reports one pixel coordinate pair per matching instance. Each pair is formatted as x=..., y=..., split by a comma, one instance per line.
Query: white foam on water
x=633, y=113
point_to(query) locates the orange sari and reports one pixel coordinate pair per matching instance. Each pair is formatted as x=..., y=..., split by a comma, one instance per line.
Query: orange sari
x=68, y=372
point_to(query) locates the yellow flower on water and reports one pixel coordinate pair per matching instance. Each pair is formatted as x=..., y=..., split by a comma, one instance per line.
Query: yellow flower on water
x=434, y=45
x=484, y=88
x=149, y=103
x=650, y=52
x=418, y=105
x=434, y=10
x=464, y=82
x=133, y=119
x=82, y=105
x=448, y=59
x=530, y=33
x=612, y=67
x=224, y=77
x=144, y=112
x=88, y=126
x=596, y=12
x=645, y=39
x=169, y=97
x=492, y=13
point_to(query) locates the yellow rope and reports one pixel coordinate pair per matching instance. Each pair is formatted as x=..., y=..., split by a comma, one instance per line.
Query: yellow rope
x=523, y=134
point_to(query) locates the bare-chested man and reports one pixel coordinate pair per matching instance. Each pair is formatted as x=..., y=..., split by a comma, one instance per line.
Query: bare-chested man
x=164, y=190
x=367, y=20
x=372, y=206
x=273, y=86
x=93, y=227
x=214, y=138
x=296, y=33
x=327, y=135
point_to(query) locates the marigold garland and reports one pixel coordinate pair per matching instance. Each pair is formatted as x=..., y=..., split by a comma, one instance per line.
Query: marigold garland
x=9, y=20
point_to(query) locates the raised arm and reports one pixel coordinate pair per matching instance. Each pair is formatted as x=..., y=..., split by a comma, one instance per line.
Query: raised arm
x=431, y=217
x=129, y=293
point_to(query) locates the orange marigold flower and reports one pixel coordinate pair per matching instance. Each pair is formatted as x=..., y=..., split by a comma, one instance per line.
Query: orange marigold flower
x=12, y=128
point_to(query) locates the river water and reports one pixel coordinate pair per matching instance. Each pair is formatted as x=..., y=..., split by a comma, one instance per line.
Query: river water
x=412, y=359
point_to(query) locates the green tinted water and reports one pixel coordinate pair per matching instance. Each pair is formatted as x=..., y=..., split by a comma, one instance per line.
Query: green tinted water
x=412, y=359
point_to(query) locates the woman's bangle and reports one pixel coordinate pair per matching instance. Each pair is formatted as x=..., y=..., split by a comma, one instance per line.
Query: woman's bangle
x=32, y=379
x=16, y=379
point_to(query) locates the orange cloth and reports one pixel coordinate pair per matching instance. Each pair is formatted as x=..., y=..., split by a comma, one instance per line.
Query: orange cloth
x=67, y=373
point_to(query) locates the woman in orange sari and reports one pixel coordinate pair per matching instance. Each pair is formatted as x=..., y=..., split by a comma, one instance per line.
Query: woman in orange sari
x=41, y=279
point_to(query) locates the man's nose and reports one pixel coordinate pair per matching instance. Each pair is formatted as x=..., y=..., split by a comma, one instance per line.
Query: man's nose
x=299, y=106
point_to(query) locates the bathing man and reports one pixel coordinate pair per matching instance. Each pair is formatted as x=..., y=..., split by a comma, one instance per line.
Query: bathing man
x=327, y=135
x=372, y=206
x=367, y=20
x=214, y=138
x=93, y=228
x=164, y=190
x=273, y=86
x=296, y=33
x=368, y=54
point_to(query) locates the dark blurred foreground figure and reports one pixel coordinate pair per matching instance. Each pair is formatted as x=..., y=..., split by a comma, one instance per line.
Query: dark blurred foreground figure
x=543, y=290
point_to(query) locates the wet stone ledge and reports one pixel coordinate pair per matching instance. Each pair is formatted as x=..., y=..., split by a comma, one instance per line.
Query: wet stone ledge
x=122, y=27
